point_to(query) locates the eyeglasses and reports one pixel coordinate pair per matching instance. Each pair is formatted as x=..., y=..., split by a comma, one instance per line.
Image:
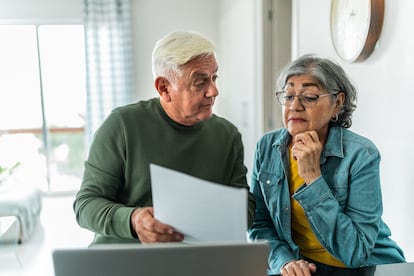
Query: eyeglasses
x=306, y=99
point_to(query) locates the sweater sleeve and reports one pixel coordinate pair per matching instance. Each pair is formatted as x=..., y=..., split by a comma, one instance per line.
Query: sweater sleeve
x=96, y=204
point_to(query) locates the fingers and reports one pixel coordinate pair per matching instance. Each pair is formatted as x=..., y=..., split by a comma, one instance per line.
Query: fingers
x=298, y=268
x=150, y=230
x=307, y=137
x=307, y=150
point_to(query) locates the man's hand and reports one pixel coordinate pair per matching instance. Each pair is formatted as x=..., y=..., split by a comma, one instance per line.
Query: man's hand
x=150, y=230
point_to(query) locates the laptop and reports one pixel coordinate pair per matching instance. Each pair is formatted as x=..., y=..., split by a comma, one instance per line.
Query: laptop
x=181, y=259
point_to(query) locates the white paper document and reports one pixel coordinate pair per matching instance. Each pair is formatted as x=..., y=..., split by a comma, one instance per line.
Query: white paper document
x=201, y=210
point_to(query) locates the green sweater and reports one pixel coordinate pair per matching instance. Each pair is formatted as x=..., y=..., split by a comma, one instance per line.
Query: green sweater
x=116, y=178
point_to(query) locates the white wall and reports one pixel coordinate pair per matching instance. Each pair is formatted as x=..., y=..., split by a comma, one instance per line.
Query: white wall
x=240, y=97
x=384, y=112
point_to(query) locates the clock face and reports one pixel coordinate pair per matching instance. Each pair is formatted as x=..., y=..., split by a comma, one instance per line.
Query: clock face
x=350, y=23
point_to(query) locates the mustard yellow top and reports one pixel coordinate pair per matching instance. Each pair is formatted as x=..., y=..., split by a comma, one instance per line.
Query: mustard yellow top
x=302, y=232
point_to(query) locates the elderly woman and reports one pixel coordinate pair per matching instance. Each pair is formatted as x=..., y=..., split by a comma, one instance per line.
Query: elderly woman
x=316, y=183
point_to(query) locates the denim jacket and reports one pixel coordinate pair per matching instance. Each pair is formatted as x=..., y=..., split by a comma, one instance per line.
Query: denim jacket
x=343, y=206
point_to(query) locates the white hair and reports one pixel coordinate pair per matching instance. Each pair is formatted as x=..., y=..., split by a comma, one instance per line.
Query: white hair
x=176, y=49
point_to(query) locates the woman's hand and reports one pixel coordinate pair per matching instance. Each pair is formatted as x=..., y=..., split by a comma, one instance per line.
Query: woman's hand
x=150, y=230
x=307, y=150
x=298, y=268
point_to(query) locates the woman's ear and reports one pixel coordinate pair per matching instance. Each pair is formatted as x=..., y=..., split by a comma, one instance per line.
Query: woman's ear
x=340, y=99
x=162, y=85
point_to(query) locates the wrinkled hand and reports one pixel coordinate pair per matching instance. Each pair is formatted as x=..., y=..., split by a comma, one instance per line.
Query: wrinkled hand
x=298, y=268
x=150, y=230
x=307, y=150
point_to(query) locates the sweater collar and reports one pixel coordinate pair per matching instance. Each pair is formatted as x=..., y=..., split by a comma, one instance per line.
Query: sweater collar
x=333, y=145
x=174, y=123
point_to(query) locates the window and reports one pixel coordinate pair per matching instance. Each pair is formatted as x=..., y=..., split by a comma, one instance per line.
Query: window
x=43, y=105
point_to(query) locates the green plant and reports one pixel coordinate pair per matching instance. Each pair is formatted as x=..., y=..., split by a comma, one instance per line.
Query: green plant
x=5, y=172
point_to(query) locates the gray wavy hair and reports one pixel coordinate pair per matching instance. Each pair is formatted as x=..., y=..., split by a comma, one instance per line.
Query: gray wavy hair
x=331, y=76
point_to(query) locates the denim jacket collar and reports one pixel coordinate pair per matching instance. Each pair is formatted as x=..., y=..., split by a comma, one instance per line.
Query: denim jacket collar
x=331, y=148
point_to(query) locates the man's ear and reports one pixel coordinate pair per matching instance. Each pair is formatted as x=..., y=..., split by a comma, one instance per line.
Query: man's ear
x=162, y=85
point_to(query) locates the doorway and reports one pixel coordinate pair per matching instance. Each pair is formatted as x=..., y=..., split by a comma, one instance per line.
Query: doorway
x=277, y=44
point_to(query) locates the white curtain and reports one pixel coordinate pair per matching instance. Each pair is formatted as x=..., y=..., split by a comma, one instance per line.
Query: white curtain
x=109, y=59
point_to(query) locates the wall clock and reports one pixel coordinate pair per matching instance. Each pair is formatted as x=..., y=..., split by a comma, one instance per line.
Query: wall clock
x=355, y=27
